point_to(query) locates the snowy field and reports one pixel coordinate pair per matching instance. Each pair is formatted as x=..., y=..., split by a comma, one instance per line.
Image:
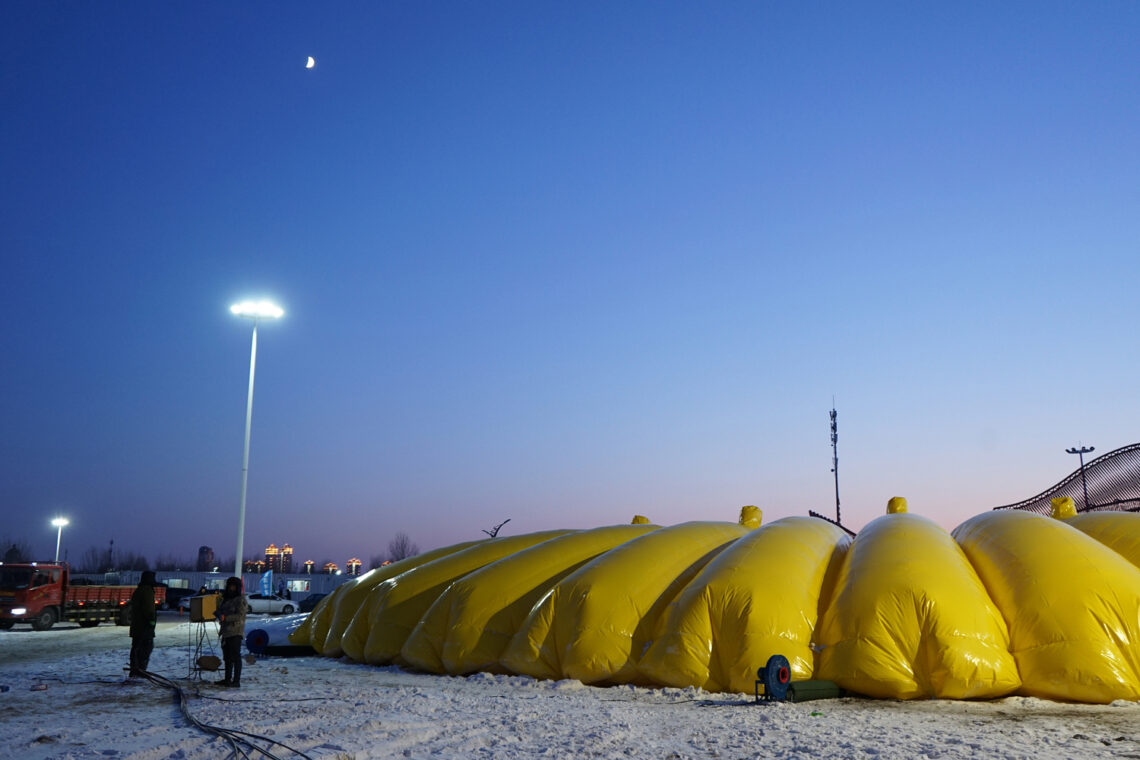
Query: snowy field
x=62, y=695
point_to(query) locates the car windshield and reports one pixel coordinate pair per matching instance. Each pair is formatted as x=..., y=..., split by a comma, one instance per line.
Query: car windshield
x=13, y=578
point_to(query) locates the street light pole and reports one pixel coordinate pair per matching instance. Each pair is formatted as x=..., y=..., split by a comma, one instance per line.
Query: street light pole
x=59, y=523
x=245, y=453
x=256, y=312
x=1081, y=453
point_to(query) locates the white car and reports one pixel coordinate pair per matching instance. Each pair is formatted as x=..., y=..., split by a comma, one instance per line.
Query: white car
x=271, y=603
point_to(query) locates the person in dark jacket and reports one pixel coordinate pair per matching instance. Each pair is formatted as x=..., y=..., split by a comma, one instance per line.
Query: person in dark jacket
x=231, y=613
x=144, y=617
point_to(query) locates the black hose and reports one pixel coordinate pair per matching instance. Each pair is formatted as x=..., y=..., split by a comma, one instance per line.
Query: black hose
x=233, y=736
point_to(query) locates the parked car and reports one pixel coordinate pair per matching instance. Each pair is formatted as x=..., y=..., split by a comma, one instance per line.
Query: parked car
x=271, y=604
x=184, y=602
x=174, y=597
x=310, y=602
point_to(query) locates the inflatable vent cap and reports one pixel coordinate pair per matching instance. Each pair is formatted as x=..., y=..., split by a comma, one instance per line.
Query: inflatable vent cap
x=750, y=517
x=1063, y=508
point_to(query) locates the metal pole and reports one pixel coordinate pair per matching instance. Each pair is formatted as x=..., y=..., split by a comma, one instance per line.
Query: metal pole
x=245, y=454
x=1084, y=482
x=1081, y=453
x=835, y=459
x=58, y=538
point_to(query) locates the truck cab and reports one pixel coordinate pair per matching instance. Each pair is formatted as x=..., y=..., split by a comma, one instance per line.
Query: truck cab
x=31, y=593
x=41, y=593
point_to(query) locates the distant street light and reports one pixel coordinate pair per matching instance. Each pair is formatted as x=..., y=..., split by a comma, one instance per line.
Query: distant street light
x=1081, y=453
x=59, y=522
x=257, y=311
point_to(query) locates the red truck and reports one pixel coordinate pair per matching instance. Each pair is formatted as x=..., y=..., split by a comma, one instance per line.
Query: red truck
x=40, y=593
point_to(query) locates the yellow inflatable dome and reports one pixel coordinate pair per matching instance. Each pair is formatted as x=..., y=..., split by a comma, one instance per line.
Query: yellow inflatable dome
x=1008, y=603
x=910, y=618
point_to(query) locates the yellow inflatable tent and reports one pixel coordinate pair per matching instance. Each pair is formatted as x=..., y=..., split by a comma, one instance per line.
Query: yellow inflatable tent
x=759, y=597
x=403, y=599
x=1010, y=602
x=595, y=623
x=352, y=596
x=471, y=623
x=1119, y=531
x=1072, y=604
x=910, y=618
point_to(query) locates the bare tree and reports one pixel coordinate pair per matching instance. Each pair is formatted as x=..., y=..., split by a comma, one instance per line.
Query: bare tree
x=401, y=547
x=376, y=561
x=170, y=562
x=128, y=560
x=15, y=550
x=93, y=561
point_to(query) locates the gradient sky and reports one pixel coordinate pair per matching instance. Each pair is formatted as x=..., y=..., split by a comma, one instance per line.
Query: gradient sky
x=557, y=262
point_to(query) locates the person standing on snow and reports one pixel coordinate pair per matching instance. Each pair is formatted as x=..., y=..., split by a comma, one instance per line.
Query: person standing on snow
x=231, y=612
x=144, y=618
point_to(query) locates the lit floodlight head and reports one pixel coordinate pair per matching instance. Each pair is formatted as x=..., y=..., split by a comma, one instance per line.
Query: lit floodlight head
x=257, y=310
x=60, y=522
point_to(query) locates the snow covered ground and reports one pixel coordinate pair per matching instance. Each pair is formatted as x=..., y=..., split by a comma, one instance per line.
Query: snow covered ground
x=65, y=698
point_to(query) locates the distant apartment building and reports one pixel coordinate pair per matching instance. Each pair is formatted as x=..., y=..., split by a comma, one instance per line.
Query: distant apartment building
x=205, y=559
x=353, y=566
x=279, y=560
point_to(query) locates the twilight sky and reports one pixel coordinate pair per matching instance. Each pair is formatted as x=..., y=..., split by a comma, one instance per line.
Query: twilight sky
x=557, y=262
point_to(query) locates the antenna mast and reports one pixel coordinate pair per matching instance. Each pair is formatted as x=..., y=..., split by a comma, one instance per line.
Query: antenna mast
x=835, y=456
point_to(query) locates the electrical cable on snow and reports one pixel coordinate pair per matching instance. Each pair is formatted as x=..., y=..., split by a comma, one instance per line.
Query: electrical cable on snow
x=77, y=683
x=264, y=699
x=234, y=737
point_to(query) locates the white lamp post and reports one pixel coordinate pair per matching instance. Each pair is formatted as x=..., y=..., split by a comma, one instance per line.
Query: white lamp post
x=257, y=311
x=59, y=522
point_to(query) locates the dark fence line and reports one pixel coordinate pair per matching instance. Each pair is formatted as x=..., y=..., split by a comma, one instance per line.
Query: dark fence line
x=1113, y=482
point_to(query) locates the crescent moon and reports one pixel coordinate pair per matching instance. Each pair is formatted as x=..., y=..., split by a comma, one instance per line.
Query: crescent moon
x=310, y=63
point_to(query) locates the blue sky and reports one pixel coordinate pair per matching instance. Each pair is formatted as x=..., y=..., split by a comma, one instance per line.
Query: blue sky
x=561, y=263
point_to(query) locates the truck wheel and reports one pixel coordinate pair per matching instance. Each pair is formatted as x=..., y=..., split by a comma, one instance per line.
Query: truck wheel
x=287, y=609
x=6, y=625
x=45, y=619
x=88, y=623
x=124, y=617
